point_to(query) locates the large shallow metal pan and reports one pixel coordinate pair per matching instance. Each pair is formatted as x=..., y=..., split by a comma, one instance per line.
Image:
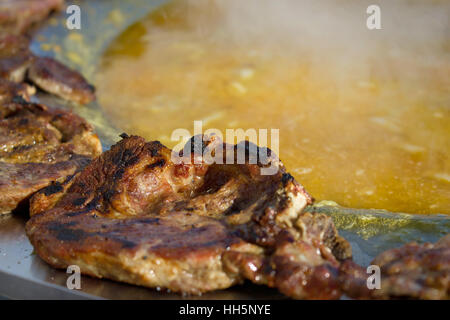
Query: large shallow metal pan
x=24, y=275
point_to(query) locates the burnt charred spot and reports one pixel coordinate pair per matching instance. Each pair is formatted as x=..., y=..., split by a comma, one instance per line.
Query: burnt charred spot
x=20, y=100
x=69, y=177
x=88, y=208
x=194, y=229
x=133, y=161
x=148, y=220
x=23, y=122
x=108, y=194
x=119, y=173
x=125, y=158
x=157, y=164
x=63, y=232
x=118, y=158
x=124, y=135
x=76, y=213
x=126, y=155
x=90, y=87
x=126, y=244
x=79, y=201
x=286, y=178
x=52, y=189
x=154, y=148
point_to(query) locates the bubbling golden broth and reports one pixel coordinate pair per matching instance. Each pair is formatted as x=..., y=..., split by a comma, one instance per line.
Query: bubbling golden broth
x=364, y=132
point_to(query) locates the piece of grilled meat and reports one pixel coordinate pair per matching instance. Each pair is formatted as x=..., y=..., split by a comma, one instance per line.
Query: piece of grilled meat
x=17, y=16
x=136, y=214
x=414, y=271
x=17, y=63
x=54, y=77
x=39, y=145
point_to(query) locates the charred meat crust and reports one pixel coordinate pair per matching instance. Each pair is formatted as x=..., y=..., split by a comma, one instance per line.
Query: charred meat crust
x=39, y=145
x=134, y=215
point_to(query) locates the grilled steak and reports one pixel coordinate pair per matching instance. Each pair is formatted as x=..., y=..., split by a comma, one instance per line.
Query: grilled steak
x=39, y=145
x=136, y=215
x=17, y=16
x=53, y=77
x=413, y=271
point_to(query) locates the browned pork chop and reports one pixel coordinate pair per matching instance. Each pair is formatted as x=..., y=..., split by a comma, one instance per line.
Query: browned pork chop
x=54, y=77
x=39, y=145
x=136, y=215
x=414, y=271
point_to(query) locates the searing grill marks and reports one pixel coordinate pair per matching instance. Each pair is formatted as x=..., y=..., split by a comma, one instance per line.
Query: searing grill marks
x=196, y=233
